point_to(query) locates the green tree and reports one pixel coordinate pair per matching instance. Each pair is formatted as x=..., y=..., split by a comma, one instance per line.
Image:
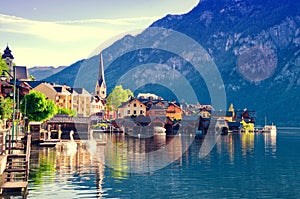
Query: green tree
x=3, y=65
x=37, y=107
x=66, y=111
x=6, y=107
x=32, y=78
x=117, y=97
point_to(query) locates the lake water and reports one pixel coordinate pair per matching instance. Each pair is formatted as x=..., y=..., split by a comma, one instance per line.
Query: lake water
x=238, y=166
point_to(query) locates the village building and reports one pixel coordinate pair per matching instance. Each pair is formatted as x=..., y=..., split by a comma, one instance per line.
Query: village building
x=57, y=93
x=174, y=112
x=18, y=73
x=81, y=101
x=98, y=107
x=133, y=107
x=156, y=110
x=148, y=96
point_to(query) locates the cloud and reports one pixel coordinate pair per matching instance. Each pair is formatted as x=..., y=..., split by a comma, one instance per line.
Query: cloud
x=122, y=21
x=71, y=31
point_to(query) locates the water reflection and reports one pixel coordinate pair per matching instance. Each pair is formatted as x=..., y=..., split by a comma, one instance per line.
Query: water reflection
x=110, y=172
x=134, y=155
x=270, y=143
x=247, y=144
x=54, y=171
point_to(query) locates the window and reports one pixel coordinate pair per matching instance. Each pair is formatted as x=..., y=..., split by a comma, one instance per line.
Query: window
x=134, y=105
x=141, y=112
x=134, y=112
x=128, y=112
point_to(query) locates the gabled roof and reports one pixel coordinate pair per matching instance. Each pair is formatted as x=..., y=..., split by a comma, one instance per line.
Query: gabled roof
x=130, y=102
x=34, y=84
x=81, y=91
x=61, y=89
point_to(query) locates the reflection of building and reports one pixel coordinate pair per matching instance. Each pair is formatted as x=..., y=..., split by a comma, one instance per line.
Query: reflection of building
x=247, y=143
x=270, y=142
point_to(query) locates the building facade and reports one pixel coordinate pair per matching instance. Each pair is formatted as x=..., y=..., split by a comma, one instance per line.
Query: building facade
x=131, y=108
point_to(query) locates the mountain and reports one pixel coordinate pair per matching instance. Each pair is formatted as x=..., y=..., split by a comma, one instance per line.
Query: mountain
x=255, y=45
x=42, y=72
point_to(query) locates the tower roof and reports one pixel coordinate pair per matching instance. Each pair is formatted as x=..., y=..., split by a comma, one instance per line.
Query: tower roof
x=7, y=53
x=101, y=79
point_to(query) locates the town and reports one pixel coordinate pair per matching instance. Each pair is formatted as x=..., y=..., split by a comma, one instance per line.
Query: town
x=144, y=110
x=75, y=114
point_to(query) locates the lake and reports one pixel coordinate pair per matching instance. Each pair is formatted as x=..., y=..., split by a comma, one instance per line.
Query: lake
x=252, y=165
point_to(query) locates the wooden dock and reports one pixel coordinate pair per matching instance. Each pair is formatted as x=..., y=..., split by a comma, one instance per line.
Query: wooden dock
x=17, y=166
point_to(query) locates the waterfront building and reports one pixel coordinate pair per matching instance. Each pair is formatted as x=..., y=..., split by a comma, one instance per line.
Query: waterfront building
x=174, y=111
x=133, y=107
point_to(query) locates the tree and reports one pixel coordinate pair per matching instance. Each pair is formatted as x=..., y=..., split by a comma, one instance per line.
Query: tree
x=66, y=111
x=6, y=107
x=117, y=97
x=37, y=108
x=3, y=65
x=32, y=78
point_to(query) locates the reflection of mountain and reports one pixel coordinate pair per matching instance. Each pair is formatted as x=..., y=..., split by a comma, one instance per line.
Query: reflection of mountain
x=256, y=40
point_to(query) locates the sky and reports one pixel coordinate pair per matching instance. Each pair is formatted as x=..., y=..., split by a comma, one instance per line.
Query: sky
x=61, y=32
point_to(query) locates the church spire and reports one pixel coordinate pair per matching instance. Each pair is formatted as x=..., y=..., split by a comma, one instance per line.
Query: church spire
x=101, y=85
x=8, y=58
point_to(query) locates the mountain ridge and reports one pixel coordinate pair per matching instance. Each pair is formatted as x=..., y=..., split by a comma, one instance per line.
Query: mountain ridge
x=254, y=43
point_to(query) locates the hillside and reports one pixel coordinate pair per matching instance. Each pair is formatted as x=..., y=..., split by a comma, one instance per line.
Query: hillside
x=42, y=72
x=254, y=43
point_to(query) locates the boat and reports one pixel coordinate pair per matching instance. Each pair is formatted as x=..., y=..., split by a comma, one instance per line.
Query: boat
x=269, y=129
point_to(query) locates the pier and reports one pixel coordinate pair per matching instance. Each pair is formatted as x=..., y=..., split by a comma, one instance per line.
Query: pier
x=16, y=172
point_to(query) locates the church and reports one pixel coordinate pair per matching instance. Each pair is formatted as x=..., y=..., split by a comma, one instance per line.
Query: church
x=98, y=103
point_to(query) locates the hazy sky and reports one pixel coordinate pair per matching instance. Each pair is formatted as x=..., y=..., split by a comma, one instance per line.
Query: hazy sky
x=60, y=32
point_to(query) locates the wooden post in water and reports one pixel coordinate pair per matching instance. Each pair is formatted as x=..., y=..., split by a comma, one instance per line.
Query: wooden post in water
x=35, y=131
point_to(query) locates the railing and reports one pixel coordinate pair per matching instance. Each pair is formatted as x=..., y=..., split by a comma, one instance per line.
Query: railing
x=3, y=134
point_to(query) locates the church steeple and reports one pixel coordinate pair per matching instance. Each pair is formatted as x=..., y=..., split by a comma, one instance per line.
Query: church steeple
x=8, y=58
x=100, y=89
